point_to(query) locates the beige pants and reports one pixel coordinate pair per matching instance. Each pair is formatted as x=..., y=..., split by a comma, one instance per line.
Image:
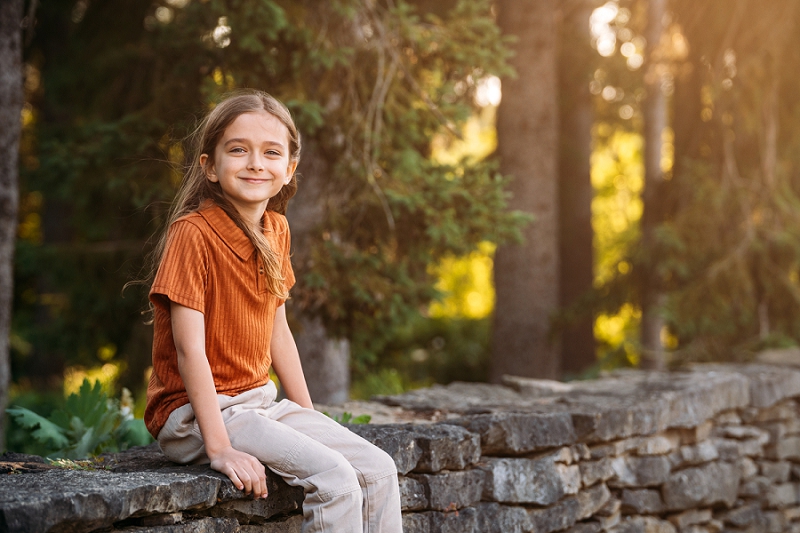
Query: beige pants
x=350, y=485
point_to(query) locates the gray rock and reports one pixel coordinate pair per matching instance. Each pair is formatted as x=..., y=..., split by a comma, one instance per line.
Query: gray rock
x=696, y=434
x=773, y=522
x=290, y=524
x=585, y=527
x=785, y=448
x=412, y=494
x=691, y=517
x=713, y=483
x=608, y=521
x=450, y=491
x=695, y=454
x=497, y=518
x=592, y=500
x=729, y=449
x=791, y=513
x=595, y=471
x=88, y=500
x=566, y=512
x=642, y=501
x=614, y=449
x=643, y=524
x=742, y=433
x=602, y=418
x=743, y=516
x=755, y=487
x=657, y=445
x=416, y=523
x=250, y=511
x=783, y=410
x=611, y=507
x=748, y=468
x=518, y=433
x=202, y=525
x=776, y=471
x=781, y=495
x=424, y=448
x=463, y=521
x=556, y=517
x=446, y=447
x=679, y=400
x=166, y=519
x=536, y=388
x=781, y=429
x=396, y=440
x=728, y=418
x=457, y=397
x=541, y=481
x=647, y=471
x=769, y=385
x=141, y=459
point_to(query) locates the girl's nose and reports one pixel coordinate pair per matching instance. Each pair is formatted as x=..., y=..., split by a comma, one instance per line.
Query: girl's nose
x=255, y=163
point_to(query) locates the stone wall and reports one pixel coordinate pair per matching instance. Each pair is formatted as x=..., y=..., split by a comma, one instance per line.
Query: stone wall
x=713, y=449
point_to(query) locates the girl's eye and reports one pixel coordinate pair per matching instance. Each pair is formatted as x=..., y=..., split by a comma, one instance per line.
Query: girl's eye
x=237, y=150
x=273, y=153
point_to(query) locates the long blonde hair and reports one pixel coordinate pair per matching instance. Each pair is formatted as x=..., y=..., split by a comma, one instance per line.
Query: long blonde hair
x=196, y=188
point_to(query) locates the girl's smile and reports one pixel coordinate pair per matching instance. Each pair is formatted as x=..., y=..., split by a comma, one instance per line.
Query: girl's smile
x=251, y=162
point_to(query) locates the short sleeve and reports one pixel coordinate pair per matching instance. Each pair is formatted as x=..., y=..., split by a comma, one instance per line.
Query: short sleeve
x=183, y=273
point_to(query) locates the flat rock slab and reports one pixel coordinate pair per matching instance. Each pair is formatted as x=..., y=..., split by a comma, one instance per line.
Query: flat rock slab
x=424, y=448
x=625, y=404
x=768, y=384
x=135, y=483
x=88, y=500
x=520, y=433
x=457, y=397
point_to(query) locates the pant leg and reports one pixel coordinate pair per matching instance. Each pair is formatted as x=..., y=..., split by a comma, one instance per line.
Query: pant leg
x=333, y=495
x=375, y=469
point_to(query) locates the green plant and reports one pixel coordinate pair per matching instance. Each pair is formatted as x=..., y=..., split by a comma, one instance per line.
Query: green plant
x=89, y=424
x=348, y=418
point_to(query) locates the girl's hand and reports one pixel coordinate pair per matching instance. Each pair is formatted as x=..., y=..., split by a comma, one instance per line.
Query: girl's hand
x=245, y=471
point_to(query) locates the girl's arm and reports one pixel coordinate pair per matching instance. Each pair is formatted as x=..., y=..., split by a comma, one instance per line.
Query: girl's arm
x=245, y=471
x=286, y=361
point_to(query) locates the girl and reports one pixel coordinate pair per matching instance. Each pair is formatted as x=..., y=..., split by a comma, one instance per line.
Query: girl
x=222, y=277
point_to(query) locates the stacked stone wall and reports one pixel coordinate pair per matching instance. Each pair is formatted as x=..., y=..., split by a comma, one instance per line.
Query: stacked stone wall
x=714, y=449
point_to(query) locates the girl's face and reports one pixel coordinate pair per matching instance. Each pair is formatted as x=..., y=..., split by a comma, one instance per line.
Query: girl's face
x=251, y=162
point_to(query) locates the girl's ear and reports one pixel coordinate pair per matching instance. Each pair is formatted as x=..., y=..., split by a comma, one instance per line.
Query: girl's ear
x=290, y=171
x=209, y=169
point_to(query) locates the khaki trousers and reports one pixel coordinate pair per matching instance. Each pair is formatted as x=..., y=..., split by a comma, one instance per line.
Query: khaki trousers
x=350, y=485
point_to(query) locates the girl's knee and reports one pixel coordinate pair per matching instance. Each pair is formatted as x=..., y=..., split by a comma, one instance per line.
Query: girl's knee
x=339, y=482
x=379, y=465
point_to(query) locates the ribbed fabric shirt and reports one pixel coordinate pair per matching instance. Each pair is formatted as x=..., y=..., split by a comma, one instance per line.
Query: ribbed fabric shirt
x=210, y=265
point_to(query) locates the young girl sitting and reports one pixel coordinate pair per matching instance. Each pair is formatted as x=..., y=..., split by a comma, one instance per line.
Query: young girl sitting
x=222, y=275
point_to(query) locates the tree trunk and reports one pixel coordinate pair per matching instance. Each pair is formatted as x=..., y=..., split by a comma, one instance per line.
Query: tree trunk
x=526, y=275
x=11, y=99
x=326, y=360
x=575, y=186
x=655, y=122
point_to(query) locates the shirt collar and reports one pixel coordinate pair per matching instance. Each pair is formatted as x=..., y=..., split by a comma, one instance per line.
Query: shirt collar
x=227, y=230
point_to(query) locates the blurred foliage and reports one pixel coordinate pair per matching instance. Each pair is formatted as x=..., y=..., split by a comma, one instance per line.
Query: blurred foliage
x=112, y=86
x=349, y=418
x=728, y=252
x=427, y=351
x=89, y=424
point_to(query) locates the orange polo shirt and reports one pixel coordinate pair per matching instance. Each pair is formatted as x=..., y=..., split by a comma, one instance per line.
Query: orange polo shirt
x=210, y=265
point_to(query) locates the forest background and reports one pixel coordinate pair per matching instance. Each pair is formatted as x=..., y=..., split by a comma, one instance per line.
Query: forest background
x=524, y=187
